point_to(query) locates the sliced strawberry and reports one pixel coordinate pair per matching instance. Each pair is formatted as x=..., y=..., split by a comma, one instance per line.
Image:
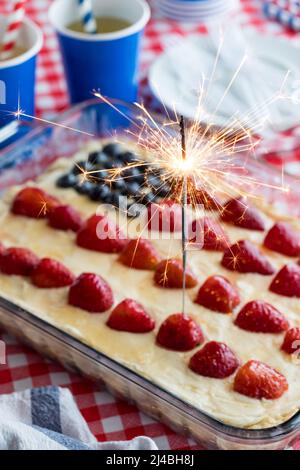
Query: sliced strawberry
x=291, y=342
x=140, y=254
x=261, y=317
x=287, y=281
x=239, y=213
x=130, y=316
x=283, y=239
x=169, y=274
x=100, y=234
x=208, y=234
x=165, y=216
x=34, y=203
x=258, y=380
x=65, y=218
x=50, y=274
x=199, y=196
x=18, y=261
x=179, y=333
x=244, y=257
x=92, y=293
x=215, y=360
x=218, y=294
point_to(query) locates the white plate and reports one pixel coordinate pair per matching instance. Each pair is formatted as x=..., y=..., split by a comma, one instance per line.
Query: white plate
x=190, y=7
x=200, y=17
x=195, y=17
x=176, y=75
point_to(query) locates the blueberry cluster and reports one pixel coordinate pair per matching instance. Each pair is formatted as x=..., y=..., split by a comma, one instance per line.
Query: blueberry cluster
x=140, y=184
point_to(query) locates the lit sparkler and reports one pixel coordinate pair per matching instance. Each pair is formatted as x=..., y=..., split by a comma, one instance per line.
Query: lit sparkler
x=214, y=164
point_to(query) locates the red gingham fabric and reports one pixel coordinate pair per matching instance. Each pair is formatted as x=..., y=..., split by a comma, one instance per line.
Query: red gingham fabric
x=108, y=417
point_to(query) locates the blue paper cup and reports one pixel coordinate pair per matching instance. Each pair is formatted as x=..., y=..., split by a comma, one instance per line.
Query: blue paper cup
x=108, y=62
x=17, y=76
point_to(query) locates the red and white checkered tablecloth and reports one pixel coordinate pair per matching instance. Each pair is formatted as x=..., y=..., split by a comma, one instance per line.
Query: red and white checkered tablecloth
x=108, y=417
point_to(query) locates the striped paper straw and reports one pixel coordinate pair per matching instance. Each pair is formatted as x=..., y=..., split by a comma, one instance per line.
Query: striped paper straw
x=286, y=12
x=14, y=24
x=87, y=16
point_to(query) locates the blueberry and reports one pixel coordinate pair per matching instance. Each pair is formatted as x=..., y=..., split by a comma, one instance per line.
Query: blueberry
x=107, y=164
x=164, y=190
x=112, y=164
x=154, y=181
x=140, y=176
x=128, y=157
x=131, y=174
x=132, y=188
x=92, y=158
x=112, y=150
x=81, y=166
x=101, y=193
x=97, y=158
x=148, y=198
x=99, y=175
x=135, y=174
x=116, y=164
x=106, y=193
x=96, y=193
x=117, y=200
x=66, y=181
x=119, y=185
x=85, y=188
x=103, y=159
x=127, y=172
x=108, y=199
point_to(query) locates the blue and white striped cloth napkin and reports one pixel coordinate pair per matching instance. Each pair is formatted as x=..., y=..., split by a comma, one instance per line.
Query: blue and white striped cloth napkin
x=286, y=12
x=48, y=419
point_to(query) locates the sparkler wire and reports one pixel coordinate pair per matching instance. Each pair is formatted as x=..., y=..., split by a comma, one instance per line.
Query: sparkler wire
x=183, y=212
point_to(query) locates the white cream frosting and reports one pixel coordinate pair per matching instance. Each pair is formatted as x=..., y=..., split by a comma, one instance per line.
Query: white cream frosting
x=139, y=352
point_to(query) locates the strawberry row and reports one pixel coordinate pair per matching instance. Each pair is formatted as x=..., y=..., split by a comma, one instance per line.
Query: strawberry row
x=281, y=238
x=216, y=293
x=178, y=332
x=100, y=234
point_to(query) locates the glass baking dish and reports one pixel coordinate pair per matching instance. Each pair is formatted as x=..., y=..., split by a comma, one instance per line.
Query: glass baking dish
x=26, y=159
